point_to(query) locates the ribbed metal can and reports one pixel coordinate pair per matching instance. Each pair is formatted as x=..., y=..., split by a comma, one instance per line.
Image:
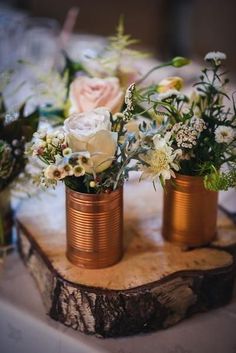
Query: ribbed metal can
x=94, y=225
x=189, y=211
x=6, y=218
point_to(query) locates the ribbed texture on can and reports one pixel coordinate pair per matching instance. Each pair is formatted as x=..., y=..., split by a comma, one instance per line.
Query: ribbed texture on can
x=189, y=212
x=94, y=228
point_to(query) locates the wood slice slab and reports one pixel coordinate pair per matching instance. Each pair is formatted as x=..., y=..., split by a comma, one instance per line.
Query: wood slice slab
x=156, y=284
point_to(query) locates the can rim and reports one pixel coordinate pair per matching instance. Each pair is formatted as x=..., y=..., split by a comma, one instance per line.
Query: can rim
x=100, y=196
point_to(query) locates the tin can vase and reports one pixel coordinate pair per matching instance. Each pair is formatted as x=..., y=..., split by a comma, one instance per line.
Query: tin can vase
x=189, y=211
x=6, y=218
x=94, y=225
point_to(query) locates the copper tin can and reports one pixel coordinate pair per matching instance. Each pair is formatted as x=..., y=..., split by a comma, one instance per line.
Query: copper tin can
x=189, y=211
x=94, y=228
x=6, y=218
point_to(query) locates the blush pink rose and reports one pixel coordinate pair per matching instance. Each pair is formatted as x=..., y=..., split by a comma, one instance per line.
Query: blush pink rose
x=88, y=93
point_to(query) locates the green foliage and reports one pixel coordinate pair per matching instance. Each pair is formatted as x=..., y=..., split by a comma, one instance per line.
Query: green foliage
x=195, y=123
x=14, y=133
x=21, y=127
x=217, y=181
x=70, y=70
x=121, y=42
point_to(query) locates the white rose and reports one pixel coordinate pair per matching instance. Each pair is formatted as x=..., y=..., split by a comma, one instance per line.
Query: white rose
x=91, y=132
x=89, y=93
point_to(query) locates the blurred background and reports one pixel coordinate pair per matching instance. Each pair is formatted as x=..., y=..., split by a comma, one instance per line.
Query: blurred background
x=30, y=28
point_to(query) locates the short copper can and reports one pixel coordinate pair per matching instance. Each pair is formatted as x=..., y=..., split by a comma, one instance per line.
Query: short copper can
x=189, y=211
x=6, y=218
x=94, y=228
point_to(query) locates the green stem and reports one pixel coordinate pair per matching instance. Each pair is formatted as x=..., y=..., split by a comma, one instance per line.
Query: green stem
x=125, y=163
x=153, y=69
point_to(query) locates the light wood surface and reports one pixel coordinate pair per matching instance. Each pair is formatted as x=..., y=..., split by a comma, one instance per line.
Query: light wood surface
x=173, y=280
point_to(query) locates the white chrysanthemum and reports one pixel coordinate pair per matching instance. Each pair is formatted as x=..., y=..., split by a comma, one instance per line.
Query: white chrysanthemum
x=161, y=161
x=215, y=56
x=168, y=94
x=224, y=134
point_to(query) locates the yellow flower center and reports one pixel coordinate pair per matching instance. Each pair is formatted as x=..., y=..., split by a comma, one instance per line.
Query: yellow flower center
x=158, y=161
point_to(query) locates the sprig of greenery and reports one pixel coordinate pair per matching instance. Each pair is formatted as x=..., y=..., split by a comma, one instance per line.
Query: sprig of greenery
x=217, y=181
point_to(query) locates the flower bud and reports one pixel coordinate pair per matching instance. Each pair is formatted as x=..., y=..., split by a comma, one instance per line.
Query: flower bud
x=92, y=184
x=179, y=61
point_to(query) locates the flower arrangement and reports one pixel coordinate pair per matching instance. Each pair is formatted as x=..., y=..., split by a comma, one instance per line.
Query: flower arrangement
x=16, y=130
x=93, y=81
x=92, y=152
x=200, y=129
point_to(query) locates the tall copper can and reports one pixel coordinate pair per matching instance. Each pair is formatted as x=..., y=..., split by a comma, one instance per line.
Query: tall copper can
x=6, y=218
x=94, y=228
x=189, y=211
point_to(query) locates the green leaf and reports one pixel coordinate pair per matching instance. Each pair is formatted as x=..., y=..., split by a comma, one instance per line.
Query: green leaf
x=22, y=127
x=139, y=110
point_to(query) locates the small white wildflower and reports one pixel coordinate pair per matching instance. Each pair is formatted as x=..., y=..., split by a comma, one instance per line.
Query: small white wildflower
x=15, y=143
x=41, y=134
x=185, y=110
x=17, y=152
x=92, y=184
x=10, y=117
x=215, y=56
x=48, y=172
x=118, y=115
x=55, y=141
x=67, y=152
x=49, y=137
x=78, y=170
x=224, y=134
x=185, y=135
x=39, y=144
x=69, y=170
x=129, y=97
x=168, y=94
x=59, y=135
x=55, y=172
x=198, y=124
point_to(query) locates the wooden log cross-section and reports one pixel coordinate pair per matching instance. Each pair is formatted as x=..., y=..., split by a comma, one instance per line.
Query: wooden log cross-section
x=155, y=285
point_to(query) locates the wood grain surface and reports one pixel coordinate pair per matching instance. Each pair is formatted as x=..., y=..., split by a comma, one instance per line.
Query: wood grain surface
x=155, y=285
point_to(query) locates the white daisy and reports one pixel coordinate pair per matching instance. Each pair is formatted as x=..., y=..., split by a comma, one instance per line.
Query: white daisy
x=161, y=161
x=224, y=134
x=215, y=56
